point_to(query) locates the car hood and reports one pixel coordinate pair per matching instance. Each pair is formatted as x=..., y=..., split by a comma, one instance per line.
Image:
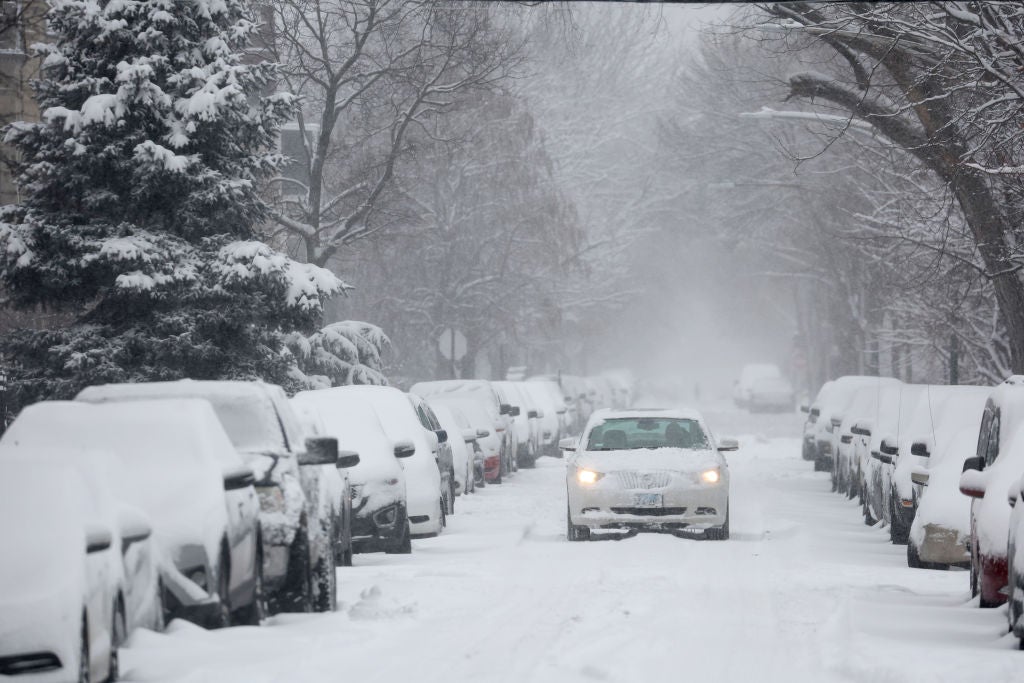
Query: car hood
x=640, y=459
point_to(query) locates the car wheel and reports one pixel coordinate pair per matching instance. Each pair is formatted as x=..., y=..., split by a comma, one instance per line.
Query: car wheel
x=974, y=572
x=443, y=513
x=866, y=510
x=573, y=532
x=257, y=610
x=451, y=494
x=913, y=556
x=403, y=546
x=297, y=593
x=222, y=619
x=720, y=533
x=118, y=634
x=84, y=675
x=325, y=581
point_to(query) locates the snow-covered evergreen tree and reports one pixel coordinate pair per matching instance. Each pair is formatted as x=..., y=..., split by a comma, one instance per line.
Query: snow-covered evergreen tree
x=346, y=352
x=142, y=199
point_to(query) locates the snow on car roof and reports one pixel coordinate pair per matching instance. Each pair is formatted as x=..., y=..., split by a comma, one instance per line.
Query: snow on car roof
x=679, y=413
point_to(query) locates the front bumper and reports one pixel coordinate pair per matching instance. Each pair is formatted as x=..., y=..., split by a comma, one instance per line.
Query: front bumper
x=682, y=507
x=378, y=529
x=942, y=545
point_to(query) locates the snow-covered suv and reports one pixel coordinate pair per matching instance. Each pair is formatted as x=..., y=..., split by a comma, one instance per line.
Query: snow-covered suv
x=302, y=511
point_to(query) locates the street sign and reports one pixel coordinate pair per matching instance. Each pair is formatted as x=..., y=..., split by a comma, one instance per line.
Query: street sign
x=452, y=344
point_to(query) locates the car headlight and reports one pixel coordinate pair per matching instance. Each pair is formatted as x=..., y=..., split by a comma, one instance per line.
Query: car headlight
x=710, y=476
x=588, y=477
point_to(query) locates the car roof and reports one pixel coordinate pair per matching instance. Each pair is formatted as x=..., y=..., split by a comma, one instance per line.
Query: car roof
x=679, y=413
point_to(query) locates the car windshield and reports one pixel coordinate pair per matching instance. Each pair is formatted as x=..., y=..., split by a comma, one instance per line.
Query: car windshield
x=630, y=433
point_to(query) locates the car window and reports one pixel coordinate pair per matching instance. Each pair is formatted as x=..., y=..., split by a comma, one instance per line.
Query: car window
x=646, y=432
x=992, y=452
x=986, y=418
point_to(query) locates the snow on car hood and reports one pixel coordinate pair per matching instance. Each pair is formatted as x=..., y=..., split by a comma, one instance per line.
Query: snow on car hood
x=670, y=459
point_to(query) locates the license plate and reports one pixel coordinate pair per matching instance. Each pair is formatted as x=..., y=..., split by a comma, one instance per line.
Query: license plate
x=647, y=500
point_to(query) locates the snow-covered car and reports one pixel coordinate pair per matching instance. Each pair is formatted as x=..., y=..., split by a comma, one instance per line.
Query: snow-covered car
x=61, y=577
x=833, y=410
x=551, y=412
x=424, y=494
x=525, y=422
x=987, y=477
x=298, y=487
x=1015, y=563
x=380, y=518
x=770, y=395
x=647, y=470
x=565, y=409
x=175, y=463
x=808, y=449
x=895, y=406
x=749, y=374
x=848, y=438
x=488, y=440
x=461, y=438
x=934, y=518
x=443, y=453
x=482, y=392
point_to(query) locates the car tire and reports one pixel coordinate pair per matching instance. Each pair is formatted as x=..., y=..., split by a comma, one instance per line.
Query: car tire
x=451, y=494
x=222, y=619
x=720, y=533
x=402, y=546
x=84, y=675
x=257, y=610
x=325, y=582
x=575, y=533
x=913, y=556
x=118, y=634
x=443, y=513
x=297, y=592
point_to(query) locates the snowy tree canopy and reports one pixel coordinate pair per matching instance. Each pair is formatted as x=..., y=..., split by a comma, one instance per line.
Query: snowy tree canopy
x=346, y=352
x=142, y=199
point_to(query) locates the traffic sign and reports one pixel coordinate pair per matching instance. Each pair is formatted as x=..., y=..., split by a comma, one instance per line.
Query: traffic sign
x=452, y=344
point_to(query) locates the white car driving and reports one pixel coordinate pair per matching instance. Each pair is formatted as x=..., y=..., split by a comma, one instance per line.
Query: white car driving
x=647, y=470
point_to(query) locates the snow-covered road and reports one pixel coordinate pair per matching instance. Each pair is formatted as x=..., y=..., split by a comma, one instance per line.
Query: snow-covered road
x=802, y=591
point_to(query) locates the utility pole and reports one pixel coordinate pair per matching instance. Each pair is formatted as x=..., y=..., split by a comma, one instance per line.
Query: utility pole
x=954, y=359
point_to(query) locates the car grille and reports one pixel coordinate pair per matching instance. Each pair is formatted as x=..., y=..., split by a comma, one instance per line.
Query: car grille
x=649, y=512
x=643, y=480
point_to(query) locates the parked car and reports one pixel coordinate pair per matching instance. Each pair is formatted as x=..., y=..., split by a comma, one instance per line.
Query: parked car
x=987, y=477
x=461, y=438
x=1015, y=563
x=525, y=422
x=749, y=374
x=379, y=501
x=565, y=408
x=934, y=519
x=551, y=412
x=61, y=579
x=833, y=410
x=895, y=406
x=175, y=463
x=297, y=483
x=484, y=393
x=488, y=441
x=423, y=482
x=848, y=436
x=442, y=454
x=809, y=444
x=647, y=470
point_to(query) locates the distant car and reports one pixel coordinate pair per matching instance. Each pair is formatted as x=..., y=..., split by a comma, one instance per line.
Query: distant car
x=488, y=441
x=551, y=412
x=771, y=395
x=61, y=580
x=751, y=373
x=379, y=504
x=299, y=489
x=525, y=422
x=176, y=464
x=425, y=488
x=647, y=470
x=895, y=405
x=987, y=478
x=833, y=409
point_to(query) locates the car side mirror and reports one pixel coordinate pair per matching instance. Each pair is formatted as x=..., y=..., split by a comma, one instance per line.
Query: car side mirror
x=97, y=538
x=846, y=438
x=973, y=483
x=726, y=445
x=320, y=450
x=920, y=448
x=975, y=463
x=238, y=478
x=404, y=449
x=469, y=435
x=889, y=447
x=134, y=526
x=882, y=457
x=505, y=409
x=532, y=414
x=442, y=435
x=569, y=443
x=861, y=429
x=515, y=412
x=1011, y=498
x=483, y=433
x=347, y=459
x=920, y=477
x=804, y=408
x=561, y=411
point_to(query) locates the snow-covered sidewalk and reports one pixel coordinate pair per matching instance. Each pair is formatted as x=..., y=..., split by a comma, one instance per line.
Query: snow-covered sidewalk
x=803, y=591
